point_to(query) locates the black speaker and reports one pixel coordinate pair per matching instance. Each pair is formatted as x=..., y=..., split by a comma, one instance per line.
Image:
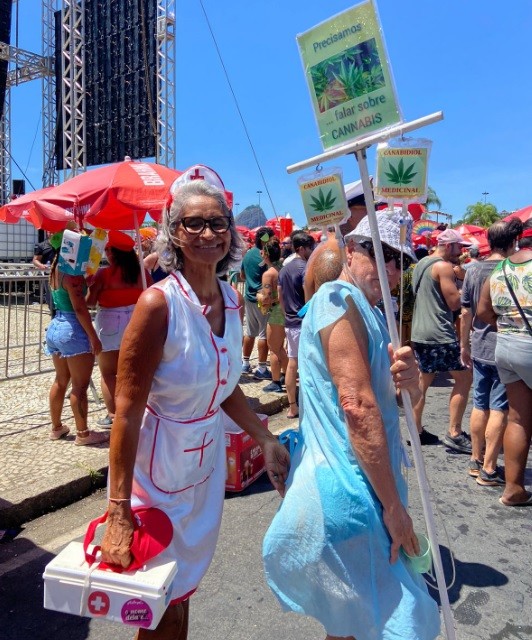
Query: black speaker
x=120, y=81
x=19, y=188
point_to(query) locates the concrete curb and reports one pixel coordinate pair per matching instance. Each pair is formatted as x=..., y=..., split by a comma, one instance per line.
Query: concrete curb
x=16, y=510
x=27, y=502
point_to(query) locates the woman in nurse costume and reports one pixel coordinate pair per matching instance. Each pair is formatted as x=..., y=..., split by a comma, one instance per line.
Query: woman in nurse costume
x=178, y=369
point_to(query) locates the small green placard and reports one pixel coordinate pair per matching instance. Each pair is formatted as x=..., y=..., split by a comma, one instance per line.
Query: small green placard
x=401, y=173
x=324, y=200
x=348, y=74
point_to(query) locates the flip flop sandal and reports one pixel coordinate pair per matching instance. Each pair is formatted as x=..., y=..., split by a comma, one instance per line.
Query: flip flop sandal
x=57, y=434
x=523, y=503
x=94, y=437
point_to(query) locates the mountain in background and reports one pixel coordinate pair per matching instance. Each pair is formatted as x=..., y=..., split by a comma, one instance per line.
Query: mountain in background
x=251, y=217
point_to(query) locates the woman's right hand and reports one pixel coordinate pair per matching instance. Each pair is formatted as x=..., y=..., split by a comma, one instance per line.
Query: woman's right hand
x=116, y=543
x=401, y=530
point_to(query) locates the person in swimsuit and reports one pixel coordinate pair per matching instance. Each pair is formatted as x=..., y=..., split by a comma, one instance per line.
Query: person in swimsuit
x=72, y=342
x=178, y=370
x=115, y=289
x=268, y=298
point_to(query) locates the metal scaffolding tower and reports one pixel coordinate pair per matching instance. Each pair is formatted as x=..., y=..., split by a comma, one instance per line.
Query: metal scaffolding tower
x=166, y=90
x=73, y=87
x=5, y=146
x=25, y=66
x=50, y=174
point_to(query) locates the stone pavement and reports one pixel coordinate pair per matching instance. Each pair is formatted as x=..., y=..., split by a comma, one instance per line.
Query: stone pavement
x=38, y=475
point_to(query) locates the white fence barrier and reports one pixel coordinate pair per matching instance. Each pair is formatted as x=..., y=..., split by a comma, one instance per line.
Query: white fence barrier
x=24, y=316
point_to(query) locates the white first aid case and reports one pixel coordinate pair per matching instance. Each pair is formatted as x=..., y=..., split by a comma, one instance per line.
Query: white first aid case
x=138, y=598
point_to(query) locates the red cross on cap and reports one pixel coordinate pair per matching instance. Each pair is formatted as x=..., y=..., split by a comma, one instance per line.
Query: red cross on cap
x=199, y=172
x=196, y=175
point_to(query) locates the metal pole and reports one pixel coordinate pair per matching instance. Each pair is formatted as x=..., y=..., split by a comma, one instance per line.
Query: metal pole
x=139, y=252
x=407, y=405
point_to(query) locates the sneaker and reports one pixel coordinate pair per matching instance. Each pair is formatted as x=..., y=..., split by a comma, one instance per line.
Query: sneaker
x=262, y=375
x=426, y=438
x=273, y=386
x=461, y=444
x=106, y=422
x=474, y=468
x=246, y=367
x=494, y=479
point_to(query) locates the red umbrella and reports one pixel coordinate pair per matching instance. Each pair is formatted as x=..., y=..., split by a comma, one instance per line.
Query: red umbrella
x=523, y=214
x=19, y=207
x=244, y=231
x=275, y=225
x=476, y=235
x=482, y=244
x=109, y=197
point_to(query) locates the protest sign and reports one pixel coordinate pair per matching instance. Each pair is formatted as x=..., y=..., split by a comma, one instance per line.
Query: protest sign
x=402, y=167
x=323, y=198
x=349, y=76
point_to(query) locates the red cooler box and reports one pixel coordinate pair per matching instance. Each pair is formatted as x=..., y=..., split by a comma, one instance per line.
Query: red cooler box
x=244, y=458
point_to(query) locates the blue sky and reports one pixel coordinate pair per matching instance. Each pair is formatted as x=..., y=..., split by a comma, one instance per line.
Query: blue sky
x=469, y=59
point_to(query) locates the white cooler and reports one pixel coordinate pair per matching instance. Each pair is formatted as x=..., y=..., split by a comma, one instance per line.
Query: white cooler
x=138, y=598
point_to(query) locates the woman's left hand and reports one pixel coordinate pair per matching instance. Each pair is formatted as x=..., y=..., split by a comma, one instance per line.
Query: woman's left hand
x=404, y=369
x=277, y=461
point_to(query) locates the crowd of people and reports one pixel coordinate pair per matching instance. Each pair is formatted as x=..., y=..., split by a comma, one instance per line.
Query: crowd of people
x=171, y=358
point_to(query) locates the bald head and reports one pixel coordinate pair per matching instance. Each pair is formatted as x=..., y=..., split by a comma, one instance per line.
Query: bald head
x=328, y=267
x=324, y=265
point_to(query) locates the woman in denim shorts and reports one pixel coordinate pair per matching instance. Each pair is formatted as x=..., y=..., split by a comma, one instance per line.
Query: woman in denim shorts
x=115, y=289
x=72, y=342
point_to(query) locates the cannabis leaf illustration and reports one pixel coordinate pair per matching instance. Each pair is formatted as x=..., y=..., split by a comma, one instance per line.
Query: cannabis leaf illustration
x=400, y=175
x=323, y=202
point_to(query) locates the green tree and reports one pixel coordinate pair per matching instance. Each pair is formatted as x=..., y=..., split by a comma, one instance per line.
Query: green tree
x=481, y=214
x=432, y=199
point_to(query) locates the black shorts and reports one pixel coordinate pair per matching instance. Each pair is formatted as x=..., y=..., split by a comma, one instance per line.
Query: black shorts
x=438, y=357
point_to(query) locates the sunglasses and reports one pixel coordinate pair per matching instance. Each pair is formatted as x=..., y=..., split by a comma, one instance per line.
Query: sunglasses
x=196, y=225
x=389, y=254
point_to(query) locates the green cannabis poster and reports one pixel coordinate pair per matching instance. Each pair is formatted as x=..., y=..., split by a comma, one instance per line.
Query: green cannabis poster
x=401, y=172
x=323, y=199
x=348, y=74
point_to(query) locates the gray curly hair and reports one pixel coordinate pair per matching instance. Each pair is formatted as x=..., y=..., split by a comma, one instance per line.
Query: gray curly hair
x=170, y=255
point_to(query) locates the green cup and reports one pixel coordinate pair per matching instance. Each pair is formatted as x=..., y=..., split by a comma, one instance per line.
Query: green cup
x=422, y=562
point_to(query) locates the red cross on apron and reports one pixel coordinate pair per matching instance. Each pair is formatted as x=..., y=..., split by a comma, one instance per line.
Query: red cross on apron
x=201, y=448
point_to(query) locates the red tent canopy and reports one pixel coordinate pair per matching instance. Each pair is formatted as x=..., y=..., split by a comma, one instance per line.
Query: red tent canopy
x=471, y=230
x=415, y=209
x=523, y=214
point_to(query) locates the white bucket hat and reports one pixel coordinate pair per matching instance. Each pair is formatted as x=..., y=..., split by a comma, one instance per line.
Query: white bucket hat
x=389, y=223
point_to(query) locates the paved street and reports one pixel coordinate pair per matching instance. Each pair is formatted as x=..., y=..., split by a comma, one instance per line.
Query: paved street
x=491, y=544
